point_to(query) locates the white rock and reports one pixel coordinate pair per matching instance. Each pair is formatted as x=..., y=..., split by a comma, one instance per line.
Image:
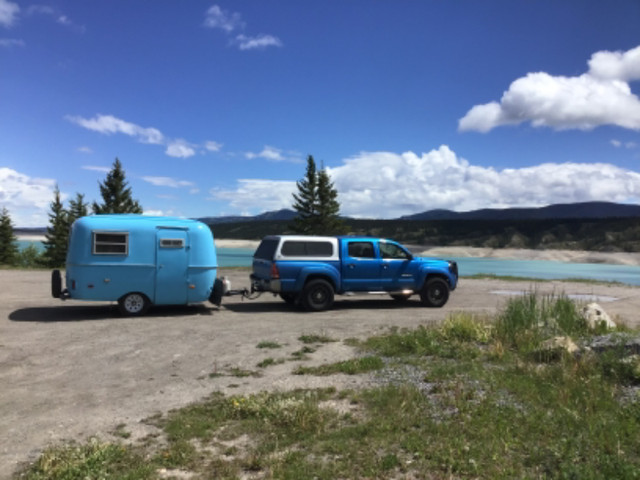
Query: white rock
x=560, y=343
x=595, y=316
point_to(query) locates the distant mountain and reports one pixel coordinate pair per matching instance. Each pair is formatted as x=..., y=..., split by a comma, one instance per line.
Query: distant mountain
x=284, y=214
x=585, y=210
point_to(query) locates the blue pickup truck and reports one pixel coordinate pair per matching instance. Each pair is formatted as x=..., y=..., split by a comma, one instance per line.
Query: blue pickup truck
x=310, y=270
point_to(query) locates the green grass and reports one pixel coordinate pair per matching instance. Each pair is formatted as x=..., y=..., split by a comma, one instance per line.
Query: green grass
x=267, y=344
x=465, y=399
x=316, y=338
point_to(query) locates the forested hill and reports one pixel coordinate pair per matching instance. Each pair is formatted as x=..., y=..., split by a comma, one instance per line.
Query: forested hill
x=593, y=226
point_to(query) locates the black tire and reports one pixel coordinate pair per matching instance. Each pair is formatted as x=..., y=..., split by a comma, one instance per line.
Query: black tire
x=317, y=295
x=56, y=284
x=435, y=293
x=290, y=298
x=133, y=304
x=401, y=297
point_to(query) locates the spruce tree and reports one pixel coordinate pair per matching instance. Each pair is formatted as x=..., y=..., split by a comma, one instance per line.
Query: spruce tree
x=8, y=245
x=57, y=236
x=116, y=195
x=77, y=208
x=316, y=203
x=306, y=200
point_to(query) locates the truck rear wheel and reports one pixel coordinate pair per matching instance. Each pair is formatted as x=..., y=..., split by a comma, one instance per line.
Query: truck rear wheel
x=317, y=295
x=133, y=304
x=435, y=293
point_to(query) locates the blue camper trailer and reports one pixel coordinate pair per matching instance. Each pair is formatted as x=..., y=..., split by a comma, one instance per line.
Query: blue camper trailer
x=139, y=261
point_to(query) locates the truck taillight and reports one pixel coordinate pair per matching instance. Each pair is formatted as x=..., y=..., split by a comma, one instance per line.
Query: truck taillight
x=274, y=271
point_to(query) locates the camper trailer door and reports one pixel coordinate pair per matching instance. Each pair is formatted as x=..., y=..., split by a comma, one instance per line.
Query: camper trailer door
x=171, y=277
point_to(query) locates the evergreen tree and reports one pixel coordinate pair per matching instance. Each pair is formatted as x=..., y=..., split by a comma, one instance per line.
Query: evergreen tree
x=306, y=200
x=316, y=203
x=57, y=236
x=115, y=193
x=8, y=245
x=77, y=208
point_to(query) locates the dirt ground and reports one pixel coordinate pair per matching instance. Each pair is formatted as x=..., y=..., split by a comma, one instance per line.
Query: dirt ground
x=73, y=370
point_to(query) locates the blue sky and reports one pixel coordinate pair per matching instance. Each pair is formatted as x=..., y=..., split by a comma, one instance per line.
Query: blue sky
x=212, y=107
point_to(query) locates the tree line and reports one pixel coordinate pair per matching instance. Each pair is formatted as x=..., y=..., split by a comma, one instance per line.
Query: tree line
x=316, y=202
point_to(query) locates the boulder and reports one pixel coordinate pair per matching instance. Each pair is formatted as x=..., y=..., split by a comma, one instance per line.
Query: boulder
x=595, y=316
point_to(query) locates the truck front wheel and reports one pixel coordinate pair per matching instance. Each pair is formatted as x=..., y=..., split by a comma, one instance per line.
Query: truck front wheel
x=435, y=293
x=317, y=295
x=133, y=304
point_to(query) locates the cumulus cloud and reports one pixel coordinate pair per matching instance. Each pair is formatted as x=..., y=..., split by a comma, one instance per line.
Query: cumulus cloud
x=26, y=198
x=602, y=96
x=167, y=182
x=229, y=22
x=8, y=13
x=213, y=146
x=180, y=149
x=389, y=185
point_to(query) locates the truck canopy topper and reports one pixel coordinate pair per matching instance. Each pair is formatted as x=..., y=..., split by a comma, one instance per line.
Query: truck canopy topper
x=139, y=261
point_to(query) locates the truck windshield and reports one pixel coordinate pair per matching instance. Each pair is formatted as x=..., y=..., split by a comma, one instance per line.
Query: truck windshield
x=266, y=249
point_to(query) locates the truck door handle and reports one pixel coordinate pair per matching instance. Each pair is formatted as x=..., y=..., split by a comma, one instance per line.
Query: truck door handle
x=351, y=266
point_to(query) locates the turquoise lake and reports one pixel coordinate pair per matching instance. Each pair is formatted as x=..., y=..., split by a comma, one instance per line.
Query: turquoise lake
x=468, y=266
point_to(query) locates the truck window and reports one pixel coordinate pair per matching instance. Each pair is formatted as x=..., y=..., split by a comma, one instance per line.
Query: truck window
x=267, y=249
x=361, y=250
x=304, y=248
x=390, y=250
x=110, y=243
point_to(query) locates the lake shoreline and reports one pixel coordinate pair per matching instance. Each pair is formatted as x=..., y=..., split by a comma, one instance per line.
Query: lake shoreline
x=567, y=256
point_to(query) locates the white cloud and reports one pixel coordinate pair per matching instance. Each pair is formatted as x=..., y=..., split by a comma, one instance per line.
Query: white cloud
x=86, y=150
x=220, y=19
x=619, y=144
x=56, y=15
x=27, y=199
x=255, y=43
x=228, y=22
x=257, y=195
x=180, y=149
x=11, y=42
x=274, y=154
x=167, y=182
x=602, y=96
x=108, y=125
x=8, y=13
x=95, y=168
x=213, y=146
x=389, y=185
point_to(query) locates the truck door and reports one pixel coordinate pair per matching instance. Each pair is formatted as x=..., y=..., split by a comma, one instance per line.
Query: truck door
x=396, y=272
x=171, y=266
x=360, y=266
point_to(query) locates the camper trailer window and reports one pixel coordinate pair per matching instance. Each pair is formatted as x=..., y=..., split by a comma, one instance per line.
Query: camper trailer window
x=172, y=242
x=110, y=243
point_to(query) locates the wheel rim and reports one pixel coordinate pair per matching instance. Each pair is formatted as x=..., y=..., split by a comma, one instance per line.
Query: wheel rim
x=134, y=303
x=319, y=296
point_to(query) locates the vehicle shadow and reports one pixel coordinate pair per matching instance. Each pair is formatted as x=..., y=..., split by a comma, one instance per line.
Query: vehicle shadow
x=362, y=303
x=82, y=313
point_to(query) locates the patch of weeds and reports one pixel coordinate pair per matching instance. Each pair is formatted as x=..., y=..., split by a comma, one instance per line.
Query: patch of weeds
x=241, y=373
x=271, y=345
x=350, y=367
x=316, y=338
x=120, y=431
x=267, y=362
x=93, y=459
x=302, y=353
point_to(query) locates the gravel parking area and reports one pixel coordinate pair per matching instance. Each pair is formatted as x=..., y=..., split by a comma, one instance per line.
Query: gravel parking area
x=72, y=370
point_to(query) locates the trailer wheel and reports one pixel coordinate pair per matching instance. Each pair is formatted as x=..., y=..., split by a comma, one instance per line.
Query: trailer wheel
x=56, y=284
x=133, y=304
x=435, y=293
x=317, y=295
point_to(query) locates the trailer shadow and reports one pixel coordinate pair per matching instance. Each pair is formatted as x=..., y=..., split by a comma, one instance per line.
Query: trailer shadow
x=83, y=313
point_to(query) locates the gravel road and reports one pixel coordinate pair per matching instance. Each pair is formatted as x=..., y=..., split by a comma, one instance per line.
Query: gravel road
x=72, y=370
